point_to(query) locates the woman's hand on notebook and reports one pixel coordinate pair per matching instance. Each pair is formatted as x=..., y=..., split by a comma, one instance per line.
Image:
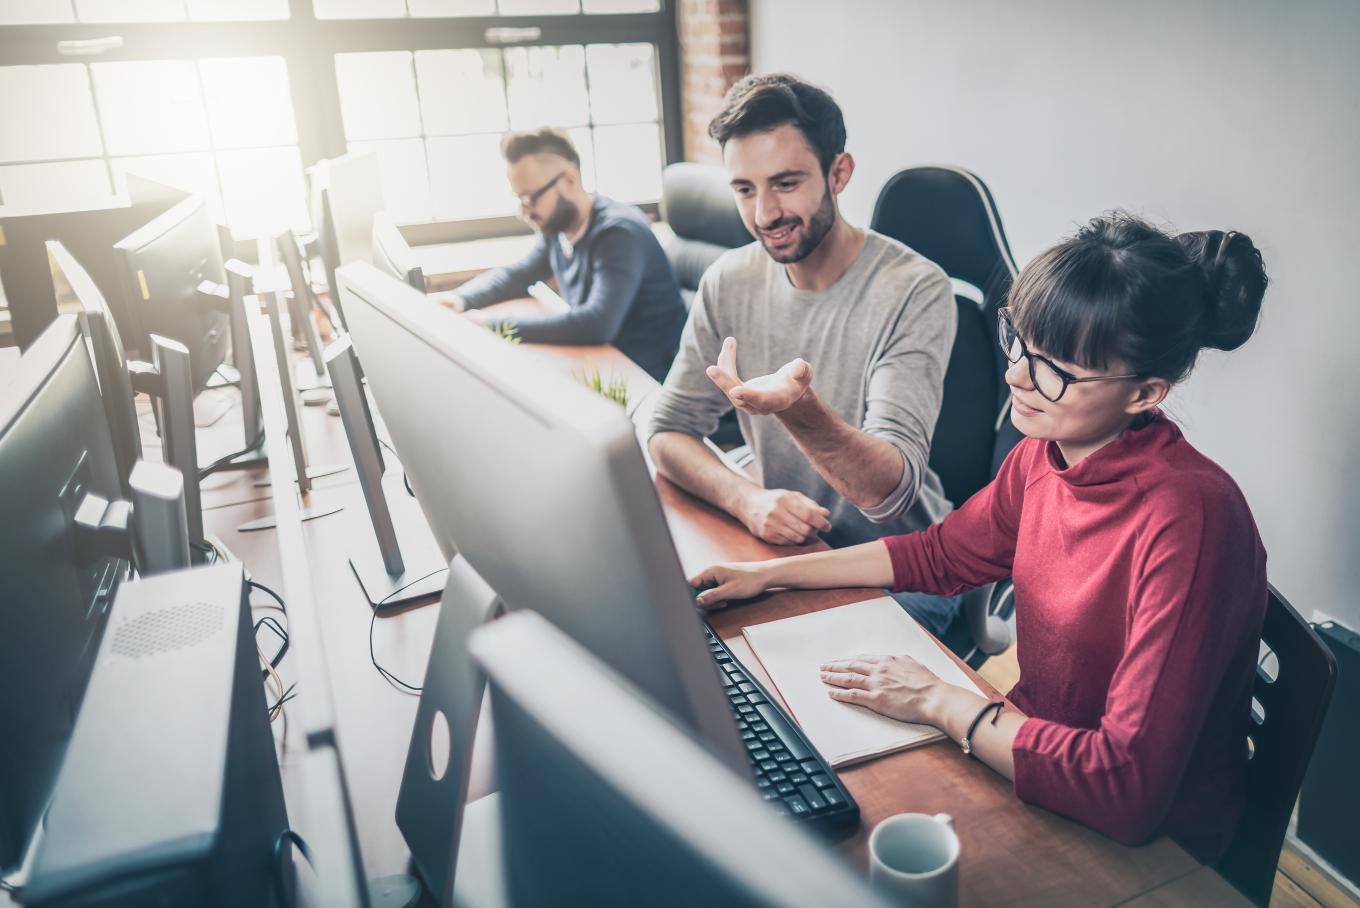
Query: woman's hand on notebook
x=721, y=583
x=898, y=687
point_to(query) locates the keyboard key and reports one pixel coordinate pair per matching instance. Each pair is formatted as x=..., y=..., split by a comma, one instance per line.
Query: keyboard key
x=811, y=765
x=726, y=679
x=772, y=716
x=784, y=788
x=770, y=796
x=755, y=699
x=786, y=759
x=797, y=806
x=798, y=778
x=721, y=657
x=769, y=736
x=760, y=755
x=769, y=766
x=748, y=736
x=745, y=710
x=732, y=668
x=832, y=797
x=777, y=776
x=764, y=784
x=821, y=781
x=746, y=687
x=813, y=799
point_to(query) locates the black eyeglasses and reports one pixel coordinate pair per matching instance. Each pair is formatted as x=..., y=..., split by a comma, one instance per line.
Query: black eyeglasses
x=528, y=201
x=1049, y=379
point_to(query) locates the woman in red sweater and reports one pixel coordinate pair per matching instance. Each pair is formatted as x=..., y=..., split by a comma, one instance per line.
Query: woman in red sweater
x=1140, y=582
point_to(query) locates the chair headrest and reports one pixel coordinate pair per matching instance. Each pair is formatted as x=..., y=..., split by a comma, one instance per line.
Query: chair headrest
x=697, y=203
x=947, y=214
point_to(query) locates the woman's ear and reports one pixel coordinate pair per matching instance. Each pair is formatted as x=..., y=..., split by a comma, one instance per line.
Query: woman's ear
x=1148, y=394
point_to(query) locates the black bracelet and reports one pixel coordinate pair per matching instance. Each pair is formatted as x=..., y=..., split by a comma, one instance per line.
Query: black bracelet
x=967, y=743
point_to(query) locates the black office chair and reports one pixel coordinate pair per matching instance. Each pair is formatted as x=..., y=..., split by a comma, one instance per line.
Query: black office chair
x=1289, y=699
x=947, y=214
x=697, y=204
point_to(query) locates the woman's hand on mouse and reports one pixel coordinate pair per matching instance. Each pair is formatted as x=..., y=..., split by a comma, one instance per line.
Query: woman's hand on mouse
x=724, y=582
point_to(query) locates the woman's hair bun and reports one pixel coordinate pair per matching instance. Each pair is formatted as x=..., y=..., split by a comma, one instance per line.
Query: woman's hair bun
x=1236, y=282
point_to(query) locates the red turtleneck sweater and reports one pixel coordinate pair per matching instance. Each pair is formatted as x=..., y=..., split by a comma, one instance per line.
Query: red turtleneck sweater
x=1140, y=589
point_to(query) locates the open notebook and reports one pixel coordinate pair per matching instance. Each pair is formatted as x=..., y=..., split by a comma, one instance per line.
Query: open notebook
x=793, y=649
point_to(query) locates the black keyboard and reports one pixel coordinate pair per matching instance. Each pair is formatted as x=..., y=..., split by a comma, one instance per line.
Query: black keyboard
x=788, y=771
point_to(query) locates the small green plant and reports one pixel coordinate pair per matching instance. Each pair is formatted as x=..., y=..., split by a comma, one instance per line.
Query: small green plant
x=506, y=330
x=615, y=389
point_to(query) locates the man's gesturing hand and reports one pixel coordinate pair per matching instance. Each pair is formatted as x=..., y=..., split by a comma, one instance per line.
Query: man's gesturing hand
x=766, y=394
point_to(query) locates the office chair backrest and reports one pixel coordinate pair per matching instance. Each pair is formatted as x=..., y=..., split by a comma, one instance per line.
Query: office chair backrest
x=1287, y=708
x=947, y=215
x=697, y=204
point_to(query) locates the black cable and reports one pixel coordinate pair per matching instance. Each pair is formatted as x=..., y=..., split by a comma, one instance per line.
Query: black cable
x=281, y=890
x=390, y=678
x=264, y=589
x=221, y=462
x=226, y=382
x=272, y=623
x=208, y=549
x=405, y=480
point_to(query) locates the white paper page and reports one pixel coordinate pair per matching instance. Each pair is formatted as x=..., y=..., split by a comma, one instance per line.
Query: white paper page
x=793, y=649
x=548, y=298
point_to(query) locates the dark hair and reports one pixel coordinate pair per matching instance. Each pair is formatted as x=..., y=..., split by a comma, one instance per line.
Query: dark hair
x=763, y=103
x=1123, y=291
x=547, y=140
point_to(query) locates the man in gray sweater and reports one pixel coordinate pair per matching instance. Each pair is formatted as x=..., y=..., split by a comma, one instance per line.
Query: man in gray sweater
x=831, y=341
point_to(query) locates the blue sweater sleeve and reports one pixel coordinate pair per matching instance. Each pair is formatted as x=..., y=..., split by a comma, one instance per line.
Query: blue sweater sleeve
x=616, y=275
x=510, y=282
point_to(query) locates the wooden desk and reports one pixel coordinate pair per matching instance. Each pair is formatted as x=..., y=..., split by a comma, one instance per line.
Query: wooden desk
x=1012, y=853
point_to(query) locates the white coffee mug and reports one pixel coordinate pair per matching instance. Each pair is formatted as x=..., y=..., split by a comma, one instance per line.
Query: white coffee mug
x=914, y=859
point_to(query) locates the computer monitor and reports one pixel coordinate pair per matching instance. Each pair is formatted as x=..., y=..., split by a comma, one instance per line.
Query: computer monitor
x=392, y=254
x=354, y=195
x=55, y=447
x=164, y=264
x=541, y=485
x=89, y=235
x=301, y=303
x=604, y=800
x=74, y=285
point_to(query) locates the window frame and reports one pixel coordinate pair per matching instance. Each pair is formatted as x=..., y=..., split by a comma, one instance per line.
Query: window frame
x=308, y=46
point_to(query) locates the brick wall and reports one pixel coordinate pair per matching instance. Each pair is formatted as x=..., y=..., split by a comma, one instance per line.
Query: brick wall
x=714, y=53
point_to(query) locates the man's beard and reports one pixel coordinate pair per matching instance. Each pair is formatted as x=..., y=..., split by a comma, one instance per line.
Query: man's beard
x=564, y=215
x=823, y=219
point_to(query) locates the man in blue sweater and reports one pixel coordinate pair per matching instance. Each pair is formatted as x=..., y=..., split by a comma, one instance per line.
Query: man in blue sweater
x=610, y=268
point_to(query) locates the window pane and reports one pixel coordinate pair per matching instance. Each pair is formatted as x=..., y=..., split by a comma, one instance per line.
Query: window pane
x=47, y=112
x=130, y=10
x=147, y=108
x=585, y=148
x=452, y=7
x=224, y=10
x=64, y=186
x=248, y=101
x=539, y=7
x=405, y=179
x=622, y=83
x=262, y=190
x=467, y=178
x=34, y=12
x=547, y=86
x=461, y=91
x=377, y=95
x=621, y=6
x=359, y=9
x=628, y=159
x=190, y=172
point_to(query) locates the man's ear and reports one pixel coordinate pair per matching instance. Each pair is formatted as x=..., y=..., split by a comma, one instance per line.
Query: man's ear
x=842, y=167
x=1147, y=395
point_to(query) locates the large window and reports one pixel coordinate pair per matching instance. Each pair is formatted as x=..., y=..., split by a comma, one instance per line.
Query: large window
x=233, y=98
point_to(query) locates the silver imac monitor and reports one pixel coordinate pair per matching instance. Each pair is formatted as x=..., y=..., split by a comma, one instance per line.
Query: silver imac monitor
x=542, y=486
x=605, y=801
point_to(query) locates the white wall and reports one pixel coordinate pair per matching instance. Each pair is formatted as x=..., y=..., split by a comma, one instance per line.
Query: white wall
x=1214, y=113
